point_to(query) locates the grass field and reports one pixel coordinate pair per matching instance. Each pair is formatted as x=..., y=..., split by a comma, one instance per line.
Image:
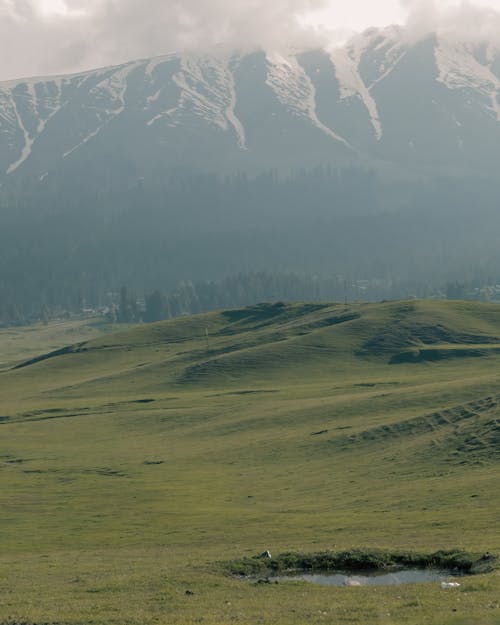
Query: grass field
x=133, y=465
x=18, y=343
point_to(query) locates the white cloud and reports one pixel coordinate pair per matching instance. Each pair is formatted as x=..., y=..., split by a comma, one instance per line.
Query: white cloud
x=56, y=36
x=464, y=20
x=67, y=35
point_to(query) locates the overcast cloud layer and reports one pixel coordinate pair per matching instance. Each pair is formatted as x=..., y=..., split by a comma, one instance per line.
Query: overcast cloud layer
x=90, y=33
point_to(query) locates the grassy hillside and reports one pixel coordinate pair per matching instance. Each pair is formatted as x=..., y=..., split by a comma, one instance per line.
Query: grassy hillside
x=18, y=343
x=133, y=464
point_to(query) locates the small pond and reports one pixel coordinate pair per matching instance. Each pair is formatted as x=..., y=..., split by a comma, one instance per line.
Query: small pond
x=370, y=578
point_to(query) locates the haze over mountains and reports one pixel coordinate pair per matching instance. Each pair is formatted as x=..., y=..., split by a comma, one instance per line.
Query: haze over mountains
x=367, y=172
x=381, y=101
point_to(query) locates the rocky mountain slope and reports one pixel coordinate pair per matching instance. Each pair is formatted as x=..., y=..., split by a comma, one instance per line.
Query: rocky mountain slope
x=434, y=104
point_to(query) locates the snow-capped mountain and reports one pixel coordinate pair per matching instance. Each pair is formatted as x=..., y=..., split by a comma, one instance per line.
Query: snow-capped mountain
x=431, y=105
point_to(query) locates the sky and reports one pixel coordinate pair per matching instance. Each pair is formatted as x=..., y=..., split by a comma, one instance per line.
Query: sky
x=42, y=37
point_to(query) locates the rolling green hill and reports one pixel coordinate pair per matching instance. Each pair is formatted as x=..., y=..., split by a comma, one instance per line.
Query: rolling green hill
x=23, y=342
x=133, y=464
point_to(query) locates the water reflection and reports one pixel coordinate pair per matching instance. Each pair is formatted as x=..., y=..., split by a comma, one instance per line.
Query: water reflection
x=368, y=578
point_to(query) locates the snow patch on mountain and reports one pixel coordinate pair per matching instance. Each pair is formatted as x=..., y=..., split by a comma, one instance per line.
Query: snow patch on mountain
x=156, y=62
x=460, y=68
x=8, y=118
x=42, y=100
x=196, y=92
x=387, y=48
x=346, y=62
x=162, y=115
x=295, y=90
x=207, y=90
x=112, y=90
x=390, y=44
x=231, y=112
x=28, y=141
x=108, y=101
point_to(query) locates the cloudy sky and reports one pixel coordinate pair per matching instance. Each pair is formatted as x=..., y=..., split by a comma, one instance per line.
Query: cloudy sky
x=39, y=37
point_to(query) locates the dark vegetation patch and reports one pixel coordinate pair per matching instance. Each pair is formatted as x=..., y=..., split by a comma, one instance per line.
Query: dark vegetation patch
x=68, y=473
x=433, y=334
x=328, y=322
x=437, y=355
x=401, y=334
x=49, y=413
x=4, y=419
x=476, y=445
x=488, y=434
x=70, y=349
x=46, y=417
x=12, y=460
x=255, y=392
x=137, y=401
x=264, y=314
x=45, y=413
x=455, y=560
x=107, y=472
x=425, y=423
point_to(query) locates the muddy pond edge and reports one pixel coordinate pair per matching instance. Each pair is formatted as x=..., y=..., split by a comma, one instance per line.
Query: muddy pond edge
x=454, y=560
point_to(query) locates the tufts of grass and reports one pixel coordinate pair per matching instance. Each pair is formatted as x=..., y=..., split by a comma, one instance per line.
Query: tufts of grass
x=455, y=560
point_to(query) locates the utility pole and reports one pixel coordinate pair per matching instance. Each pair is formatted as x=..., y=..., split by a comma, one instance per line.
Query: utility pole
x=208, y=342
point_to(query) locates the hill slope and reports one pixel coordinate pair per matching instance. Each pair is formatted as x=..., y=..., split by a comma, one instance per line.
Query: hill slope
x=280, y=342
x=133, y=463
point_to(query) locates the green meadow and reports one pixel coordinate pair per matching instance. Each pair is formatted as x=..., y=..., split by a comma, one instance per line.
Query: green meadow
x=135, y=465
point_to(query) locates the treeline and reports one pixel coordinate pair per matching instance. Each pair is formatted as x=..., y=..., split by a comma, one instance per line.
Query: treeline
x=232, y=292
x=64, y=248
x=249, y=289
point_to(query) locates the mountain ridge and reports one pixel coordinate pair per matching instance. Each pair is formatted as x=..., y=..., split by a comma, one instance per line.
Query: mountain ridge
x=378, y=99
